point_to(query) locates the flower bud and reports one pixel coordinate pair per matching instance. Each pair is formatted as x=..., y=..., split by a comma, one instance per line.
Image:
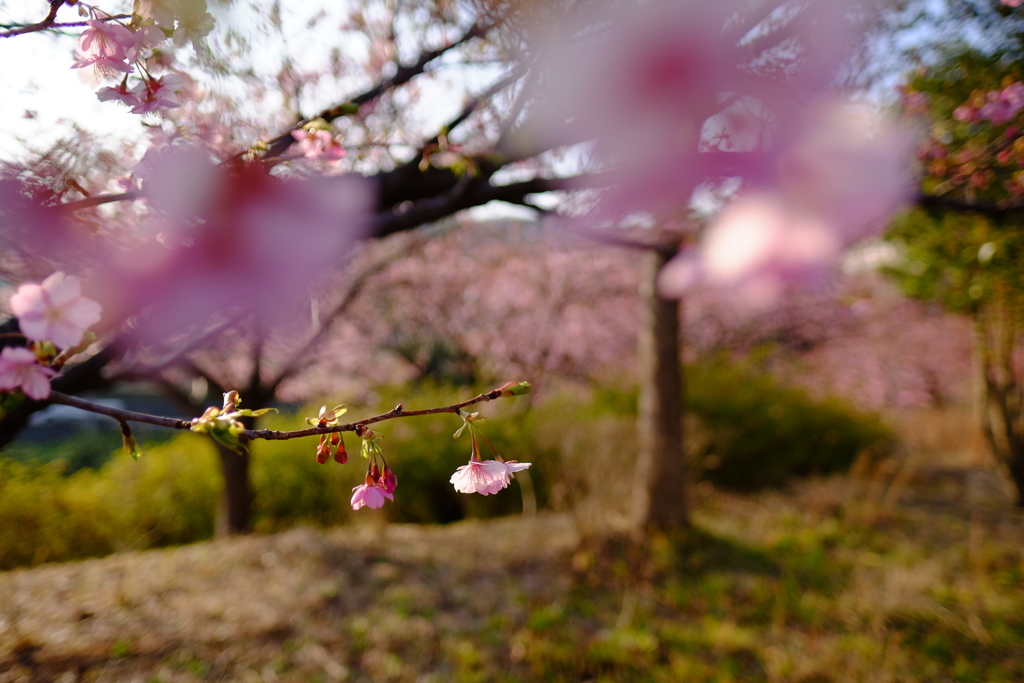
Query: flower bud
x=515, y=389
x=340, y=455
x=323, y=451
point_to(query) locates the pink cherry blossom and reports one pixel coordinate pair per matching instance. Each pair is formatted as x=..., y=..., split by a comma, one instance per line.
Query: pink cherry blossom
x=19, y=369
x=157, y=95
x=54, y=311
x=370, y=496
x=485, y=476
x=120, y=93
x=103, y=47
x=318, y=144
x=1002, y=105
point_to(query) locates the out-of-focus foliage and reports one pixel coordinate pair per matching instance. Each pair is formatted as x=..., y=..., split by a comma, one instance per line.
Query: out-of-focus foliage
x=956, y=258
x=757, y=432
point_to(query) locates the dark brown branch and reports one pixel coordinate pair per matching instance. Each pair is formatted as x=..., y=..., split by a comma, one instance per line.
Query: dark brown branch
x=404, y=74
x=46, y=23
x=58, y=24
x=470, y=192
x=117, y=413
x=962, y=206
x=123, y=416
x=272, y=435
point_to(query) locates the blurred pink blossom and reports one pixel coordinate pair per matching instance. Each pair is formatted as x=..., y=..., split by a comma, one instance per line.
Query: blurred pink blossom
x=485, y=476
x=54, y=311
x=837, y=182
x=1002, y=105
x=755, y=249
x=239, y=240
x=965, y=113
x=369, y=495
x=318, y=144
x=19, y=369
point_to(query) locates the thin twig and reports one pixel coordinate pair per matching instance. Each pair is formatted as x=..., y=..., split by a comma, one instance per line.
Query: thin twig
x=398, y=411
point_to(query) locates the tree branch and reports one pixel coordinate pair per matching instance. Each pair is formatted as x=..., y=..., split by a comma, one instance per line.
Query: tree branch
x=123, y=416
x=46, y=23
x=404, y=74
x=985, y=208
x=117, y=413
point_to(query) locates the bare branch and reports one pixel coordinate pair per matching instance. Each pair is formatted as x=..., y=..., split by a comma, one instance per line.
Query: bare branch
x=117, y=413
x=46, y=23
x=404, y=74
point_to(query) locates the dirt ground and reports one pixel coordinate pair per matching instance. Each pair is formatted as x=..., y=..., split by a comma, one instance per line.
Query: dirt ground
x=890, y=577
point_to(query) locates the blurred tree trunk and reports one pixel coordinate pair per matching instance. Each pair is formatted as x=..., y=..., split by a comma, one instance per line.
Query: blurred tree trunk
x=659, y=495
x=1000, y=393
x=236, y=498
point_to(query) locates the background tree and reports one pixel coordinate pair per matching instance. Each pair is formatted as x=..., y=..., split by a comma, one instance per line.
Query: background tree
x=964, y=246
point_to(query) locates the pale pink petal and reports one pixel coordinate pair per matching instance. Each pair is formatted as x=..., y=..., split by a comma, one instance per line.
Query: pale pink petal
x=82, y=312
x=61, y=288
x=36, y=385
x=34, y=325
x=27, y=298
x=64, y=334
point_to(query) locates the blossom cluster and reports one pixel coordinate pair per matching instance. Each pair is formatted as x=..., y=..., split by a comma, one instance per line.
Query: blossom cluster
x=109, y=49
x=52, y=315
x=996, y=106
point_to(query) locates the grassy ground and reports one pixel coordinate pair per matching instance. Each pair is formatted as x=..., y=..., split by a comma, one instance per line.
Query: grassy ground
x=913, y=576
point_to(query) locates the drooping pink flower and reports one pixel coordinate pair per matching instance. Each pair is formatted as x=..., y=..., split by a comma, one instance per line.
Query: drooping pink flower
x=19, y=369
x=55, y=310
x=389, y=481
x=120, y=93
x=318, y=144
x=369, y=495
x=155, y=95
x=485, y=476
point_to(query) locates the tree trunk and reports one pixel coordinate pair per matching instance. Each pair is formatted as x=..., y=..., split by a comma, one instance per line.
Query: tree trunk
x=999, y=391
x=659, y=490
x=236, y=497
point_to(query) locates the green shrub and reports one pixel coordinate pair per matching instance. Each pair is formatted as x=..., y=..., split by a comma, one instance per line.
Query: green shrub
x=755, y=432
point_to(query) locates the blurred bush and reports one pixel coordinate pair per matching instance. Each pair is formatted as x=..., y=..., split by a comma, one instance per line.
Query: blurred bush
x=752, y=431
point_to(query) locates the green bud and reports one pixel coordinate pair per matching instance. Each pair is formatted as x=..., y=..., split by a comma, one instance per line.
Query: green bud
x=515, y=389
